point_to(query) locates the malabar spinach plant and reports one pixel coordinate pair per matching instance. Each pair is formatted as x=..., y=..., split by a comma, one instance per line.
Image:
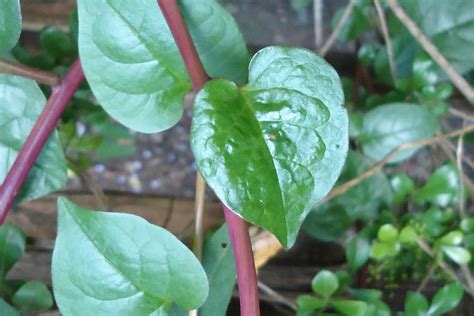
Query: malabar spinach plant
x=269, y=133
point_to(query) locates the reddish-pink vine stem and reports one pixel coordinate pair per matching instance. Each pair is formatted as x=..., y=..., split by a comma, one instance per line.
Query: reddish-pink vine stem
x=238, y=228
x=62, y=94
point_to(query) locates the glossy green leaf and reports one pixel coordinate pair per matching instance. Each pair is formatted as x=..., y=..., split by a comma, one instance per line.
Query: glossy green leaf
x=218, y=40
x=387, y=233
x=365, y=200
x=357, y=252
x=124, y=265
x=218, y=262
x=457, y=254
x=12, y=247
x=446, y=299
x=350, y=307
x=449, y=25
x=10, y=23
x=7, y=310
x=21, y=103
x=327, y=222
x=402, y=186
x=442, y=188
x=33, y=296
x=408, y=235
x=416, y=304
x=390, y=125
x=325, y=283
x=133, y=65
x=272, y=149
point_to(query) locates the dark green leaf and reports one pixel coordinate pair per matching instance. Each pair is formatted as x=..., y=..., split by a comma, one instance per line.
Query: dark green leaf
x=10, y=23
x=123, y=265
x=56, y=42
x=402, y=186
x=390, y=125
x=365, y=199
x=416, y=304
x=218, y=40
x=218, y=262
x=7, y=310
x=12, y=247
x=357, y=252
x=457, y=254
x=33, y=296
x=275, y=147
x=21, y=102
x=449, y=25
x=447, y=298
x=349, y=307
x=356, y=24
x=442, y=188
x=325, y=283
x=327, y=222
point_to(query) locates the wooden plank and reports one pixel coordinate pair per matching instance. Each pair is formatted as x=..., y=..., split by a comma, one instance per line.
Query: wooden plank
x=38, y=218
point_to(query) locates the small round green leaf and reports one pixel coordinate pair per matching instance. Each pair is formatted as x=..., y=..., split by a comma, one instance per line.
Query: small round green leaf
x=416, y=304
x=56, y=42
x=446, y=299
x=325, y=283
x=442, y=188
x=33, y=296
x=21, y=103
x=457, y=254
x=408, y=235
x=382, y=250
x=111, y=263
x=402, y=186
x=390, y=125
x=308, y=303
x=467, y=225
x=10, y=23
x=452, y=238
x=350, y=307
x=387, y=233
x=273, y=148
x=12, y=247
x=357, y=252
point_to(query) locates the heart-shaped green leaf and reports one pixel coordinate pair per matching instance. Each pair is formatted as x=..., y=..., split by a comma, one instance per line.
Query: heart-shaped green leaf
x=21, y=103
x=110, y=263
x=391, y=125
x=272, y=149
x=33, y=296
x=12, y=247
x=10, y=23
x=133, y=65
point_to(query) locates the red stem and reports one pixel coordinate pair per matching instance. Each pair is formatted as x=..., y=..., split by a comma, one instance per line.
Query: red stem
x=244, y=262
x=38, y=136
x=238, y=229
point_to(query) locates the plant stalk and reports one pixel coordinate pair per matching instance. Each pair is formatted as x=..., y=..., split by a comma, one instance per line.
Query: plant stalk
x=238, y=228
x=62, y=94
x=37, y=75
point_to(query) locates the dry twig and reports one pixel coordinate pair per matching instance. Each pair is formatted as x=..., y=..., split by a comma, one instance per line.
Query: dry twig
x=332, y=38
x=386, y=36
